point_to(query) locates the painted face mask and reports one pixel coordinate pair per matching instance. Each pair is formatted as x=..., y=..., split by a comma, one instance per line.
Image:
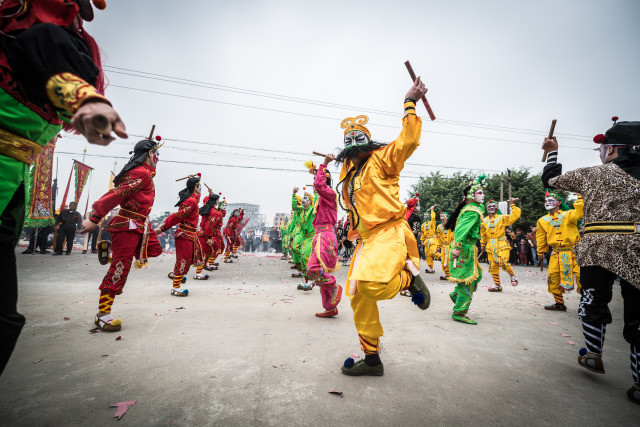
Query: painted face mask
x=550, y=203
x=478, y=196
x=492, y=208
x=355, y=138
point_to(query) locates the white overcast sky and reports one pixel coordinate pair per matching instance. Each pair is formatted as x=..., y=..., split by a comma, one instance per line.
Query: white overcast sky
x=505, y=63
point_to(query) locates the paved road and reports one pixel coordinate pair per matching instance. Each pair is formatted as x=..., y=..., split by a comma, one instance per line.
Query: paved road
x=246, y=349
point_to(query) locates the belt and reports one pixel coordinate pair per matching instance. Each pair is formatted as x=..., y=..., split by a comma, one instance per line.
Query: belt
x=185, y=227
x=19, y=148
x=612, y=227
x=131, y=214
x=380, y=227
x=325, y=227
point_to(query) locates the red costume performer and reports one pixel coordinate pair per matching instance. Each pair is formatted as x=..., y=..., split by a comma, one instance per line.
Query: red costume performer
x=239, y=240
x=205, y=233
x=188, y=250
x=130, y=232
x=230, y=233
x=217, y=219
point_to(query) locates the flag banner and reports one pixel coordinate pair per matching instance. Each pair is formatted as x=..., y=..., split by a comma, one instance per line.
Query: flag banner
x=82, y=174
x=39, y=212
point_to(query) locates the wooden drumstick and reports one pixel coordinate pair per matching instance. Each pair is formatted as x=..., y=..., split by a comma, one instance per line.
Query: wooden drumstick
x=319, y=154
x=553, y=127
x=424, y=98
x=186, y=177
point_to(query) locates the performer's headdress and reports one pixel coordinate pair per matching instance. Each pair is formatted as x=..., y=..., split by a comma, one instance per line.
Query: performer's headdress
x=476, y=185
x=308, y=196
x=311, y=166
x=209, y=202
x=467, y=194
x=355, y=133
x=621, y=134
x=140, y=153
x=193, y=183
x=411, y=206
x=222, y=204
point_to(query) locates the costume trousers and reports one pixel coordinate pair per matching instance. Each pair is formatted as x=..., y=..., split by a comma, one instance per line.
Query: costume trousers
x=365, y=308
x=67, y=231
x=498, y=258
x=324, y=255
x=125, y=245
x=464, y=295
x=185, y=256
x=11, y=220
x=207, y=249
x=562, y=267
x=296, y=248
x=430, y=251
x=444, y=259
x=597, y=291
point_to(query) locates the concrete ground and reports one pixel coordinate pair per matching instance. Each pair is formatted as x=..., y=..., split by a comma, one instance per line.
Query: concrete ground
x=246, y=349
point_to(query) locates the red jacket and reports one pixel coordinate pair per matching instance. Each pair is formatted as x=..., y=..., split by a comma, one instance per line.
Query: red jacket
x=135, y=194
x=187, y=215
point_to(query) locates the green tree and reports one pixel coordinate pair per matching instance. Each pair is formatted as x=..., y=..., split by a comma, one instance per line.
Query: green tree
x=446, y=192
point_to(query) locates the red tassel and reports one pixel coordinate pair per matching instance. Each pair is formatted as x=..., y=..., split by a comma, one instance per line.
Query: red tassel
x=599, y=139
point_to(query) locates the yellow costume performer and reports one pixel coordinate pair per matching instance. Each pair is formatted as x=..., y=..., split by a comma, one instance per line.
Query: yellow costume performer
x=428, y=239
x=494, y=240
x=559, y=230
x=386, y=260
x=444, y=238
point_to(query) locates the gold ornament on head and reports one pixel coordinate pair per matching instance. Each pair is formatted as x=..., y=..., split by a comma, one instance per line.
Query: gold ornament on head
x=356, y=123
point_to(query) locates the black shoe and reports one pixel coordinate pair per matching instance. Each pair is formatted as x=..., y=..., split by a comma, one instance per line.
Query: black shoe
x=45, y=252
x=67, y=253
x=94, y=252
x=57, y=253
x=28, y=252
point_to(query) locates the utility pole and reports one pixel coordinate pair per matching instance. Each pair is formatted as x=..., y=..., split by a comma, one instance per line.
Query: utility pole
x=501, y=187
x=509, y=204
x=84, y=153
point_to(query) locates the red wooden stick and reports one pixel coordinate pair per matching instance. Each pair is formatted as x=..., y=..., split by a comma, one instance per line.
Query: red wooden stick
x=424, y=98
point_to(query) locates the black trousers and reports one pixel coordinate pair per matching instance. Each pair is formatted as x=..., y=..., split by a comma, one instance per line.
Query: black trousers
x=93, y=237
x=66, y=230
x=597, y=291
x=11, y=322
x=39, y=242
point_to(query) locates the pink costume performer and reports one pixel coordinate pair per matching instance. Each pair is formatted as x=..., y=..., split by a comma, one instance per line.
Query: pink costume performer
x=324, y=249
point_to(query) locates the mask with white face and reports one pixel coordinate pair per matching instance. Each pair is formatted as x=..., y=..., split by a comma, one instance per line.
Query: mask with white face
x=492, y=208
x=355, y=138
x=550, y=203
x=478, y=197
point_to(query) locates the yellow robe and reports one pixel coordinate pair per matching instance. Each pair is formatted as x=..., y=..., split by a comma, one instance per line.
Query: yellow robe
x=428, y=238
x=443, y=240
x=386, y=238
x=492, y=234
x=560, y=232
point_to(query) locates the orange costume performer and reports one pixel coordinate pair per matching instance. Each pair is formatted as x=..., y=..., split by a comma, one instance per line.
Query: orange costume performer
x=230, y=233
x=188, y=250
x=130, y=232
x=217, y=215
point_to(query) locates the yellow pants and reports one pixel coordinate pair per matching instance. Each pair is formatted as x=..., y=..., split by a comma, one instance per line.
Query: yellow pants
x=562, y=268
x=430, y=250
x=444, y=259
x=365, y=308
x=498, y=254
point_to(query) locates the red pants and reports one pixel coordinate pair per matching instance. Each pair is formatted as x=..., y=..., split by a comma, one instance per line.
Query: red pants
x=186, y=255
x=207, y=249
x=125, y=245
x=231, y=241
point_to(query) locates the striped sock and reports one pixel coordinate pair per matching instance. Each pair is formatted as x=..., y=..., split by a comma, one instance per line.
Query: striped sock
x=594, y=336
x=509, y=269
x=635, y=359
x=496, y=278
x=369, y=345
x=559, y=299
x=177, y=280
x=227, y=255
x=235, y=248
x=199, y=268
x=210, y=260
x=105, y=302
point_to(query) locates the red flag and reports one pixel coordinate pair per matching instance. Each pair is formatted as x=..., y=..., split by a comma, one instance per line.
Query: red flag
x=82, y=173
x=40, y=204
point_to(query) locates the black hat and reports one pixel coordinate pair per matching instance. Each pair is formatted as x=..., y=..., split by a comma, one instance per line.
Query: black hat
x=622, y=133
x=192, y=182
x=140, y=153
x=209, y=202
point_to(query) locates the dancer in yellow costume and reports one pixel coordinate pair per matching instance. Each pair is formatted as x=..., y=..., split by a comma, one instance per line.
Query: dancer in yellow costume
x=386, y=261
x=428, y=239
x=559, y=230
x=444, y=238
x=495, y=241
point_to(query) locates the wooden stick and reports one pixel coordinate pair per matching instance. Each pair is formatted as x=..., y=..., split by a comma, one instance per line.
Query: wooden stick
x=186, y=177
x=151, y=133
x=553, y=127
x=207, y=187
x=101, y=123
x=424, y=98
x=319, y=154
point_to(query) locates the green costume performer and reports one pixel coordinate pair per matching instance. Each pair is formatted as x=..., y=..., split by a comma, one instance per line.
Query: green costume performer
x=284, y=238
x=464, y=269
x=296, y=237
x=308, y=232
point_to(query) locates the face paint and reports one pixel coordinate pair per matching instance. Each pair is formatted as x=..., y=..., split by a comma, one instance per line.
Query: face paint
x=355, y=138
x=550, y=203
x=443, y=218
x=492, y=208
x=478, y=196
